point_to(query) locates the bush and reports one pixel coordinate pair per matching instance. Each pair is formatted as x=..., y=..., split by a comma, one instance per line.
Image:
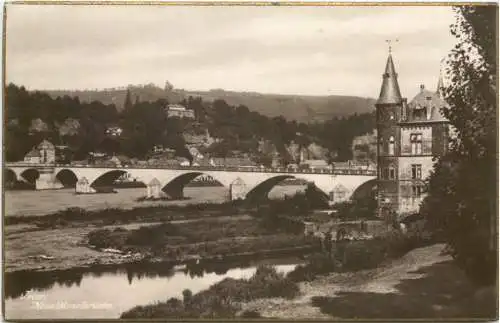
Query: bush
x=105, y=238
x=358, y=255
x=152, y=235
x=222, y=299
x=318, y=264
x=267, y=282
x=187, y=296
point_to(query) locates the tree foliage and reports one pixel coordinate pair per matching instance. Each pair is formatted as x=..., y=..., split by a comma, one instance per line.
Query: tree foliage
x=33, y=116
x=461, y=204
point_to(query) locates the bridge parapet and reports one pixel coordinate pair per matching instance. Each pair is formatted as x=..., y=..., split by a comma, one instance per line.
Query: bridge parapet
x=352, y=170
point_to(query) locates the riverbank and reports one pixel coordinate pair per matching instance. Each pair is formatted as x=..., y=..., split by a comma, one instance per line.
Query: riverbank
x=422, y=284
x=221, y=300
x=203, y=239
x=75, y=216
x=60, y=240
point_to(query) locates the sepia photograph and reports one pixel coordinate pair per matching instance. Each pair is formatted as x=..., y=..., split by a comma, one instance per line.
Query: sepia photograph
x=250, y=161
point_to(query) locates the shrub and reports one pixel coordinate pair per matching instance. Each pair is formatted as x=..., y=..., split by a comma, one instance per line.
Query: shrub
x=105, y=238
x=152, y=235
x=222, y=299
x=187, y=296
x=318, y=264
x=267, y=282
x=358, y=255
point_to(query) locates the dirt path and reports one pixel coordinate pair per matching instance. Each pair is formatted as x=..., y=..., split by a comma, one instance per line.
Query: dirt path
x=381, y=280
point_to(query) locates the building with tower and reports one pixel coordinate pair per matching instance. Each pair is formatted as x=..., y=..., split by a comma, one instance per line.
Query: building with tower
x=409, y=135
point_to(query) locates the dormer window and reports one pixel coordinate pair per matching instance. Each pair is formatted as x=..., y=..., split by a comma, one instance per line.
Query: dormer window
x=430, y=110
x=419, y=111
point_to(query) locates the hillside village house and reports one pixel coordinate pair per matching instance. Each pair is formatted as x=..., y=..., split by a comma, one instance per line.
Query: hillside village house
x=364, y=147
x=114, y=131
x=316, y=164
x=409, y=137
x=232, y=162
x=177, y=110
x=44, y=153
x=198, y=141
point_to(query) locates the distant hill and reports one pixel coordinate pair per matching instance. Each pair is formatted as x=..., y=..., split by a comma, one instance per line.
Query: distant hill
x=303, y=108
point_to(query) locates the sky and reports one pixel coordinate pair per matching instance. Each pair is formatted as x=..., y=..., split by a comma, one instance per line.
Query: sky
x=288, y=50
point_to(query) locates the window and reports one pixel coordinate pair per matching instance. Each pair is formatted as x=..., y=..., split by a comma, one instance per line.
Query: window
x=392, y=173
x=416, y=143
x=391, y=145
x=416, y=190
x=387, y=173
x=416, y=171
x=384, y=172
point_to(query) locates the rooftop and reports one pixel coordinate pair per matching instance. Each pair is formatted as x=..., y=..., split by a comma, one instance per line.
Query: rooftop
x=33, y=153
x=45, y=144
x=389, y=92
x=430, y=104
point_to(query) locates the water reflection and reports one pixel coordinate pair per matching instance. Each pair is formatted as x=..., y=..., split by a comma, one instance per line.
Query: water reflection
x=114, y=290
x=18, y=283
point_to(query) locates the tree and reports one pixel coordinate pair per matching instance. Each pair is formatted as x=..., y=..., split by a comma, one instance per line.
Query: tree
x=168, y=86
x=462, y=190
x=187, y=296
x=127, y=105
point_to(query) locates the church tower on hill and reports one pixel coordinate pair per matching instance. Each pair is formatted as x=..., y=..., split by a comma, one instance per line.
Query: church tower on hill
x=410, y=135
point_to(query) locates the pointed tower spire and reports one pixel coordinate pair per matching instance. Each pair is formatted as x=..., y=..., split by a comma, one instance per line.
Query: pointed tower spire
x=390, y=93
x=440, y=85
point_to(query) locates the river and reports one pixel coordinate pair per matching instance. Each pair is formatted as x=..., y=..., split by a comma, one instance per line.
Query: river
x=107, y=293
x=30, y=203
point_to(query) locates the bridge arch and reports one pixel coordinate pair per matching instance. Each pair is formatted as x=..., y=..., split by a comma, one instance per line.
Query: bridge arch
x=364, y=190
x=174, y=188
x=108, y=178
x=67, y=177
x=30, y=175
x=261, y=190
x=9, y=175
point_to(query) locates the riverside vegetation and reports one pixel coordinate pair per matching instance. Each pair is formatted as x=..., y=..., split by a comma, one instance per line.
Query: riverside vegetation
x=224, y=299
x=221, y=300
x=272, y=226
x=113, y=216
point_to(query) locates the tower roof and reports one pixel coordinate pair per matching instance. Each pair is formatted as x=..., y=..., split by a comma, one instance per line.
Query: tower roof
x=389, y=93
x=440, y=86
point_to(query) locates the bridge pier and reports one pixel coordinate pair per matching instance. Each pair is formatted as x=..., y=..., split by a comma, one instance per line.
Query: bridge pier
x=47, y=181
x=153, y=189
x=237, y=190
x=83, y=187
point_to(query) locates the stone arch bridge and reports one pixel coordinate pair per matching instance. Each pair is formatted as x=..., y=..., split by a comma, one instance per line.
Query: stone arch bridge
x=243, y=182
